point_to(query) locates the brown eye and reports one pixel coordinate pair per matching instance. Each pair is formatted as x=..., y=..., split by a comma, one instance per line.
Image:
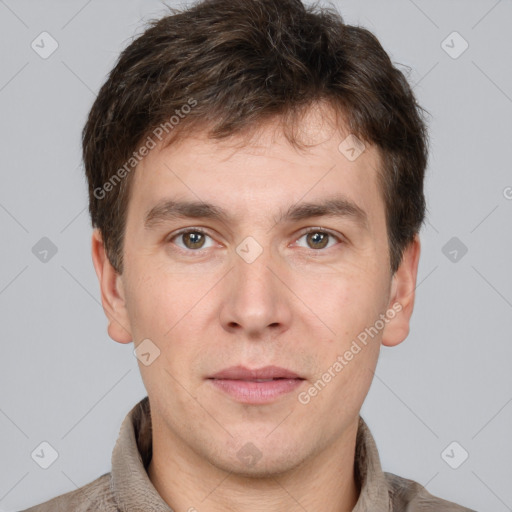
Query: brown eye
x=192, y=239
x=318, y=239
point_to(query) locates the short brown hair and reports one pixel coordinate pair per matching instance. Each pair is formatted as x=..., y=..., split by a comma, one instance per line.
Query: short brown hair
x=229, y=65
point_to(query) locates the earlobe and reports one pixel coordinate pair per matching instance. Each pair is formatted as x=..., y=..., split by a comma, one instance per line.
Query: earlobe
x=112, y=292
x=402, y=296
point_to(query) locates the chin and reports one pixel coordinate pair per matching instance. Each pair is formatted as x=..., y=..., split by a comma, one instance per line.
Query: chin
x=259, y=459
x=263, y=469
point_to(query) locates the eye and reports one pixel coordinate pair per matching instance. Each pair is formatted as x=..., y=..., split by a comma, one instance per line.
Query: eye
x=192, y=239
x=317, y=238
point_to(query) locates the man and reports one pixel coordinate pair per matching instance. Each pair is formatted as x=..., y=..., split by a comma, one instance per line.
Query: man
x=255, y=173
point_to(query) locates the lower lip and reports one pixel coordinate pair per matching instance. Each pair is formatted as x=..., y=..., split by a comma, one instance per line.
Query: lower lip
x=256, y=392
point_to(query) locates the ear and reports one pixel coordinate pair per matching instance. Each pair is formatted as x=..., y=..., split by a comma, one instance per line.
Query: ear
x=402, y=296
x=112, y=292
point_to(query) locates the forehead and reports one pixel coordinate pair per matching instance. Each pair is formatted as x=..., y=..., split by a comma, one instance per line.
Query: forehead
x=262, y=176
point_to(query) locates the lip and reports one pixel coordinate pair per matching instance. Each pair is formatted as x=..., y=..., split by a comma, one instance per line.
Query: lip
x=242, y=384
x=243, y=373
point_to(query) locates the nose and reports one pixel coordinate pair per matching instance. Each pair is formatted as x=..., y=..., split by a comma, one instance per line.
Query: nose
x=255, y=299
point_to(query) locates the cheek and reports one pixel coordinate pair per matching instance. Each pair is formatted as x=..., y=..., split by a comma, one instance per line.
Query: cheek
x=169, y=307
x=346, y=302
x=155, y=302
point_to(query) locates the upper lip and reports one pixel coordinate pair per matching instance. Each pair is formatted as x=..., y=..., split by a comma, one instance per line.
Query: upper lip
x=242, y=373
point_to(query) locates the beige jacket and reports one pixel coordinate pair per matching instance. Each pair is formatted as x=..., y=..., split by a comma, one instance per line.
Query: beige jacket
x=127, y=487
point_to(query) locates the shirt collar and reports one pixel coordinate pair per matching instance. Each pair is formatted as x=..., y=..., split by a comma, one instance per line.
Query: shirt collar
x=132, y=454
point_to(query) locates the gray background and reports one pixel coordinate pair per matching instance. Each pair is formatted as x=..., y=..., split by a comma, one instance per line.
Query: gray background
x=65, y=382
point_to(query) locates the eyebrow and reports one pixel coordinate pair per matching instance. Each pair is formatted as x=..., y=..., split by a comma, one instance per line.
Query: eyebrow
x=338, y=206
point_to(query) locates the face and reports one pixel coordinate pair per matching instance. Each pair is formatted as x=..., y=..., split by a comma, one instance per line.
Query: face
x=286, y=266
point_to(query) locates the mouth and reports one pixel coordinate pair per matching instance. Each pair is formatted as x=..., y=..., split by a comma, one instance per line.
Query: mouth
x=258, y=386
x=266, y=373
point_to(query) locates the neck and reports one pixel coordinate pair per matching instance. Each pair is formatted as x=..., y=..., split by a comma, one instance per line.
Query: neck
x=189, y=482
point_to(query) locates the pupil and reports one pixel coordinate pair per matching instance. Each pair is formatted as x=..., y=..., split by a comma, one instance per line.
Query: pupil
x=318, y=238
x=195, y=239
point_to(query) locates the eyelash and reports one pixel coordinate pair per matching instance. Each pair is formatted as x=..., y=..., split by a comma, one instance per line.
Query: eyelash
x=202, y=231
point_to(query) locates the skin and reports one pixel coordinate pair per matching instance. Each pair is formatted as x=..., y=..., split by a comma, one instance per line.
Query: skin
x=296, y=306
